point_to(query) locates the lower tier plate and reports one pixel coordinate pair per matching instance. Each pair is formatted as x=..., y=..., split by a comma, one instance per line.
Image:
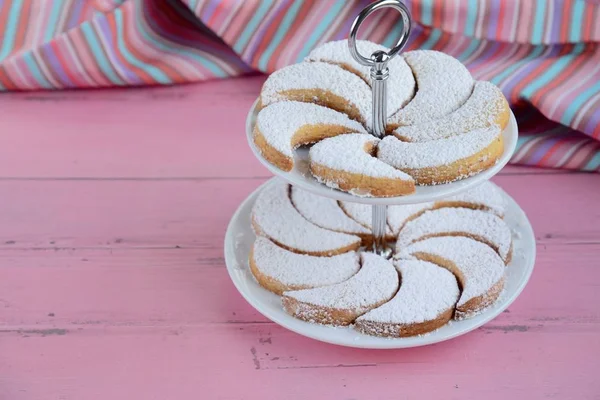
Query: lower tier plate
x=239, y=239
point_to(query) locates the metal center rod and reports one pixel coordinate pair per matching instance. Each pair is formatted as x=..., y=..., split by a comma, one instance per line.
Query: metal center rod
x=379, y=75
x=380, y=245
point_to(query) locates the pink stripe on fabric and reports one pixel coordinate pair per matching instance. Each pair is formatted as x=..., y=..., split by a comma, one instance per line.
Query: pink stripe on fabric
x=14, y=69
x=87, y=60
x=181, y=65
x=244, y=14
x=297, y=41
x=249, y=50
x=526, y=11
x=568, y=92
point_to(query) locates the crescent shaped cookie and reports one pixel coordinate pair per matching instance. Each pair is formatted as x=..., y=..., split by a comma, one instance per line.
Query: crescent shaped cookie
x=478, y=268
x=340, y=304
x=443, y=85
x=274, y=217
x=475, y=224
x=284, y=126
x=326, y=213
x=397, y=216
x=279, y=270
x=346, y=162
x=485, y=107
x=486, y=197
x=424, y=302
x=321, y=83
x=444, y=160
x=363, y=214
x=401, y=82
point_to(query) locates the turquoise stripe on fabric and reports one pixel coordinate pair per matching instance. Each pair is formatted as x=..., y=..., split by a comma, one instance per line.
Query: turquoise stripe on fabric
x=593, y=164
x=506, y=73
x=538, y=24
x=151, y=70
x=326, y=21
x=250, y=29
x=393, y=35
x=552, y=71
x=8, y=39
x=431, y=40
x=578, y=102
x=192, y=4
x=576, y=21
x=426, y=12
x=286, y=22
x=521, y=140
x=98, y=53
x=214, y=68
x=34, y=69
x=471, y=21
x=52, y=20
x=468, y=52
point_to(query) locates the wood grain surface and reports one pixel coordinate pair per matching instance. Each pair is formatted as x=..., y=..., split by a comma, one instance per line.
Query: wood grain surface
x=114, y=206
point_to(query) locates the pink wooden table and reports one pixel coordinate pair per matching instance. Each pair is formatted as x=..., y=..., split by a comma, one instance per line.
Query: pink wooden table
x=114, y=206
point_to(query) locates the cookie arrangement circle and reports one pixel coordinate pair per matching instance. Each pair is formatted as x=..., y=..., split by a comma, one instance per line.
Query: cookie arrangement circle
x=326, y=126
x=442, y=125
x=450, y=261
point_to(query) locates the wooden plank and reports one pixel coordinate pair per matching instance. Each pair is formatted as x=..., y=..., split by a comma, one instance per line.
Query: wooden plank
x=50, y=214
x=161, y=132
x=118, y=287
x=561, y=208
x=158, y=287
x=235, y=362
x=115, y=214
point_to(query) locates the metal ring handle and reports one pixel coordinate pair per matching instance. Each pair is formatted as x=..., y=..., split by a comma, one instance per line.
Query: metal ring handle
x=382, y=57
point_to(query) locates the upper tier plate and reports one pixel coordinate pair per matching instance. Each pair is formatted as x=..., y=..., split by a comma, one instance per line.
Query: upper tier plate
x=300, y=175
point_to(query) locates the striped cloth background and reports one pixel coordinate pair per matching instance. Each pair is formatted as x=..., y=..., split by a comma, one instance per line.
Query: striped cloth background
x=543, y=54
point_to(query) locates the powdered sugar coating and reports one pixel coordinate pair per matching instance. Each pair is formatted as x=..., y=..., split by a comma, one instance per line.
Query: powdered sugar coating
x=480, y=266
x=325, y=212
x=401, y=82
x=443, y=85
x=279, y=122
x=485, y=195
x=481, y=110
x=435, y=153
x=276, y=218
x=302, y=270
x=426, y=291
x=347, y=153
x=375, y=282
x=476, y=224
x=363, y=214
x=398, y=215
x=319, y=75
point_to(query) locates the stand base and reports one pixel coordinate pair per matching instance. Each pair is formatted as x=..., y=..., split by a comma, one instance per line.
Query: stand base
x=239, y=239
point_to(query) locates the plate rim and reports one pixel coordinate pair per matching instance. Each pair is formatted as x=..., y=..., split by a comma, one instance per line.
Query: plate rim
x=385, y=343
x=456, y=187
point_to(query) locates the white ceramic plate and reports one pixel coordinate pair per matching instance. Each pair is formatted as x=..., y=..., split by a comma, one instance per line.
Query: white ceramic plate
x=240, y=237
x=300, y=175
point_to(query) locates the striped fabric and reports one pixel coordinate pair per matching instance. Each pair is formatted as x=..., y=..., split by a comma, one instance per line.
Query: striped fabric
x=543, y=54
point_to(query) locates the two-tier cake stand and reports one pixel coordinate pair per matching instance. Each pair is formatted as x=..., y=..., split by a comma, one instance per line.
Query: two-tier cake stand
x=240, y=236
